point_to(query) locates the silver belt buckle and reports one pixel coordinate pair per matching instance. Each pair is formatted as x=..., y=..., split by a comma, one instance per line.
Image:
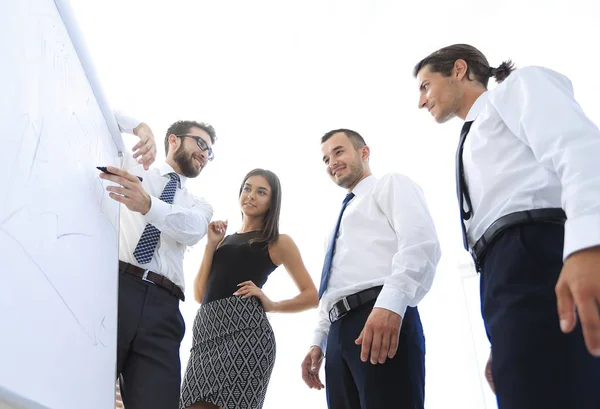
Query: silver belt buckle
x=145, y=277
x=345, y=302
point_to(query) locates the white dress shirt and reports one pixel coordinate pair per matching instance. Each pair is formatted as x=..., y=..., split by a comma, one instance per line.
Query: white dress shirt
x=531, y=146
x=181, y=224
x=386, y=237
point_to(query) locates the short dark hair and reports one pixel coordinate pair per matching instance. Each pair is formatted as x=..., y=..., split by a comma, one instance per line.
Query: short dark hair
x=443, y=60
x=356, y=139
x=269, y=231
x=183, y=127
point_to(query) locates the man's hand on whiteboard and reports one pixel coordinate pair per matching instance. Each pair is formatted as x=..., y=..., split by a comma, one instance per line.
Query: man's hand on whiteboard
x=145, y=150
x=130, y=192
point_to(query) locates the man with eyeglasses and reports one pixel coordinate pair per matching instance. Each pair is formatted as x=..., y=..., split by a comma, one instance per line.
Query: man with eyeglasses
x=159, y=219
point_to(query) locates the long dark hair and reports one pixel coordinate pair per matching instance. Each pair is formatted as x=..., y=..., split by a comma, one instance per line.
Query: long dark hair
x=269, y=231
x=443, y=60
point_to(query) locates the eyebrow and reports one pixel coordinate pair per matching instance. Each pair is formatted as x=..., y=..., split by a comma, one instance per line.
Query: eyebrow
x=333, y=150
x=260, y=187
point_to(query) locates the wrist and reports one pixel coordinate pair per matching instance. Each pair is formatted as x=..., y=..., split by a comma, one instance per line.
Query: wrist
x=314, y=347
x=137, y=129
x=275, y=306
x=147, y=205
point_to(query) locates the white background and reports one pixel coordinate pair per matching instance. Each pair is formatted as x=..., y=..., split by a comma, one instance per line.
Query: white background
x=274, y=76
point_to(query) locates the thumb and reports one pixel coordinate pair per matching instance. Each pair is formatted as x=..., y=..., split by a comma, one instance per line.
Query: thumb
x=566, y=307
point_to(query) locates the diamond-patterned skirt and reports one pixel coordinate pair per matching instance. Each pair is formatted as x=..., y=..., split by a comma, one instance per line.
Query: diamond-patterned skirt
x=232, y=356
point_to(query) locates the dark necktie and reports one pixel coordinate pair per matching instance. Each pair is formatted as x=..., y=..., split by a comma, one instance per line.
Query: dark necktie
x=331, y=248
x=149, y=240
x=462, y=191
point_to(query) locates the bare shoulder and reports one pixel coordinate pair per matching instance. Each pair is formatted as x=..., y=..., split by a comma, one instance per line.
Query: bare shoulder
x=281, y=248
x=283, y=243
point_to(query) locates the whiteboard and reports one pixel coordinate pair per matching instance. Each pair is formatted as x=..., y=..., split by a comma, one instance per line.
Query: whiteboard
x=58, y=227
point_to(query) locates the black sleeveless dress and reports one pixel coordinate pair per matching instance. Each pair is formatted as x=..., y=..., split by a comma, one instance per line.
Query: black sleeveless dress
x=233, y=350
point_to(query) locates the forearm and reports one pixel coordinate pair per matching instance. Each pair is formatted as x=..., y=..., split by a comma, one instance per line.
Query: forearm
x=203, y=273
x=127, y=124
x=306, y=300
x=184, y=225
x=415, y=262
x=321, y=332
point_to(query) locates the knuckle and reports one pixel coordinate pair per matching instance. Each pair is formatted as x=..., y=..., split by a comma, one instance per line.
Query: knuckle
x=591, y=324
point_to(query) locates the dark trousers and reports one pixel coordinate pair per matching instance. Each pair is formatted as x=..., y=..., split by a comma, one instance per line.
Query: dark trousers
x=399, y=383
x=534, y=364
x=150, y=330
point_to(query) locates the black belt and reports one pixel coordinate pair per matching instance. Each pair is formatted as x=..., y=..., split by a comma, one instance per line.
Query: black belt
x=347, y=304
x=554, y=215
x=152, y=277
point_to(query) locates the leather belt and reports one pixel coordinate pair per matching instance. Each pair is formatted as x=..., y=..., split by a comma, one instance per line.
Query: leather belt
x=351, y=302
x=152, y=277
x=551, y=215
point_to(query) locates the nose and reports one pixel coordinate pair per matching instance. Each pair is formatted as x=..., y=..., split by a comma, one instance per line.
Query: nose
x=422, y=101
x=332, y=165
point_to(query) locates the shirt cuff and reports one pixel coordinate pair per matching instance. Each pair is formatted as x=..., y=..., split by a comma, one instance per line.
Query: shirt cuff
x=159, y=210
x=392, y=299
x=320, y=340
x=579, y=235
x=126, y=123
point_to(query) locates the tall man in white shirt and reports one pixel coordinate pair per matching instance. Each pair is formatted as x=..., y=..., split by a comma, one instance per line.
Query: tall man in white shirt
x=528, y=185
x=380, y=263
x=159, y=219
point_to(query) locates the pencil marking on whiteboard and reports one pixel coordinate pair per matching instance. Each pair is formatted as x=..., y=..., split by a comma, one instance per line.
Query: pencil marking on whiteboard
x=37, y=145
x=41, y=270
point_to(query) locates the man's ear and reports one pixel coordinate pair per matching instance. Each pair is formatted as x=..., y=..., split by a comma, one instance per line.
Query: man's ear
x=173, y=144
x=365, y=153
x=459, y=71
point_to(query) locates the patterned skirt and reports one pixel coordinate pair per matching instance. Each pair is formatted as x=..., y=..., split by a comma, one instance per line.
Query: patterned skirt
x=232, y=356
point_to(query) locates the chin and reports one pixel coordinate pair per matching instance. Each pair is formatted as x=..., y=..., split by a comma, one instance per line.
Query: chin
x=442, y=119
x=343, y=182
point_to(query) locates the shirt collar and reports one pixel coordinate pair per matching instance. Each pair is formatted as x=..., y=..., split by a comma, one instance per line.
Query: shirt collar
x=364, y=186
x=165, y=169
x=477, y=107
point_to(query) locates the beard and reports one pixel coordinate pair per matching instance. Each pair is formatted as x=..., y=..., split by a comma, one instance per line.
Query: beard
x=453, y=100
x=355, y=171
x=185, y=161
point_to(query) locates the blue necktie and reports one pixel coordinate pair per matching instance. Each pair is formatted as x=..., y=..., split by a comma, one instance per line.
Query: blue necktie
x=145, y=248
x=462, y=192
x=331, y=248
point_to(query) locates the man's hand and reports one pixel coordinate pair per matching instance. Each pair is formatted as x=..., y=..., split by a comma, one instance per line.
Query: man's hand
x=145, y=150
x=311, y=366
x=380, y=336
x=488, y=373
x=131, y=192
x=579, y=287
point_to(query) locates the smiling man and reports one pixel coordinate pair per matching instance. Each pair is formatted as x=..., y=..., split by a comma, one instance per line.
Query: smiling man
x=528, y=184
x=159, y=219
x=380, y=262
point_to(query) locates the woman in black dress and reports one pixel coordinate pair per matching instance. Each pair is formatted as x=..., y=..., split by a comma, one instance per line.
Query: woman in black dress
x=233, y=349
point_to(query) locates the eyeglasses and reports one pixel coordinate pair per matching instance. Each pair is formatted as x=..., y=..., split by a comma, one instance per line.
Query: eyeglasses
x=201, y=144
